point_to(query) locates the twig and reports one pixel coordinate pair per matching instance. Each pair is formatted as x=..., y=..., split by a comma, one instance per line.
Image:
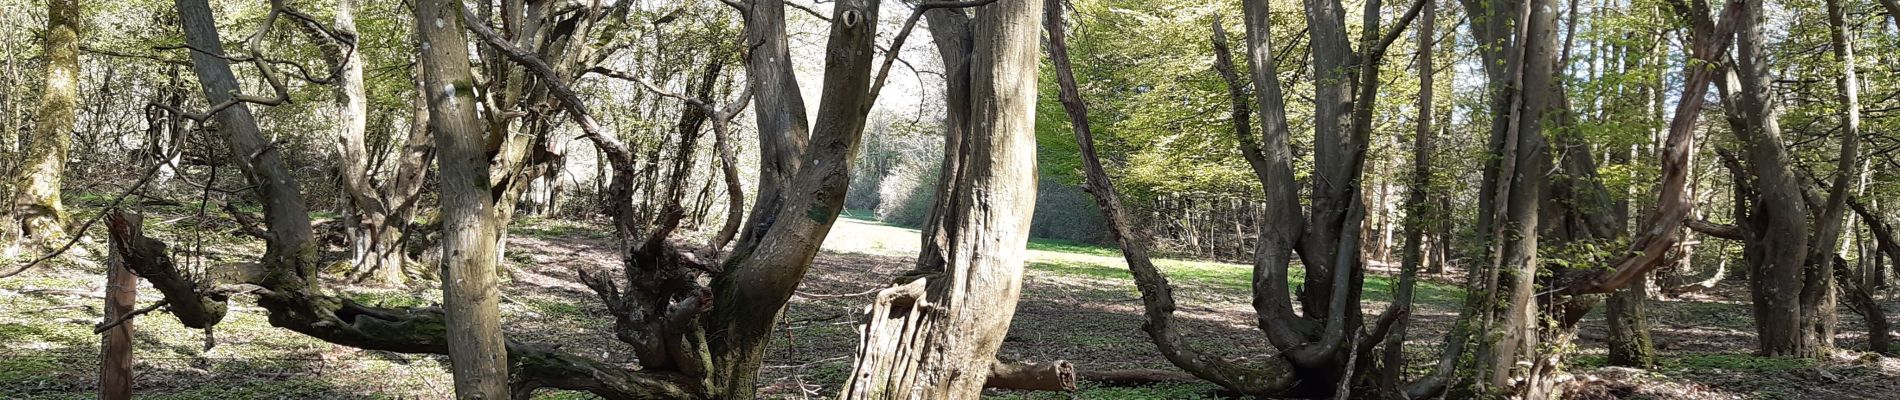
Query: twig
x=102, y=328
x=897, y=43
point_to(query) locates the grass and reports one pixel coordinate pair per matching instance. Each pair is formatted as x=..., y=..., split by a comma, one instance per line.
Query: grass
x=256, y=360
x=1084, y=291
x=856, y=232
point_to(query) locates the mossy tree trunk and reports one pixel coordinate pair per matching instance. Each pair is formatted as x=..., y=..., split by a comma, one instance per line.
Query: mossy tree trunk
x=37, y=208
x=1629, y=328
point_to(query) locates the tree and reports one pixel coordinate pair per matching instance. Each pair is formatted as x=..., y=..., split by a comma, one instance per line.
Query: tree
x=1322, y=343
x=469, y=224
x=1157, y=295
x=1818, y=281
x=36, y=210
x=935, y=333
x=379, y=210
x=1319, y=349
x=1776, y=229
x=1419, y=215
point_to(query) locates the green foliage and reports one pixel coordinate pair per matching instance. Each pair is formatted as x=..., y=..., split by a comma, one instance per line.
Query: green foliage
x=1159, y=112
x=1693, y=362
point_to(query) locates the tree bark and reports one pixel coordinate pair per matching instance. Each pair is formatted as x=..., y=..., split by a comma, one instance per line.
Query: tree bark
x=757, y=281
x=1861, y=299
x=1518, y=41
x=1778, y=223
x=289, y=244
x=950, y=31
x=779, y=107
x=115, y=350
x=936, y=336
x=1272, y=160
x=1818, y=298
x=1419, y=212
x=37, y=208
x=735, y=192
x=470, y=297
x=373, y=241
x=1629, y=328
x=1268, y=377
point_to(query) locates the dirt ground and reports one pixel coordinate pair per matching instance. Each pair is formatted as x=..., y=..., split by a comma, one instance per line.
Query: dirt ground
x=1078, y=305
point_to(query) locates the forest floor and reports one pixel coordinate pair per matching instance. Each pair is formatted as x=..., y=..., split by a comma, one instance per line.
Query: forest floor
x=1078, y=305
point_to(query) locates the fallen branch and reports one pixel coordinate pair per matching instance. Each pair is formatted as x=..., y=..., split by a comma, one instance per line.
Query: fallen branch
x=1056, y=376
x=147, y=258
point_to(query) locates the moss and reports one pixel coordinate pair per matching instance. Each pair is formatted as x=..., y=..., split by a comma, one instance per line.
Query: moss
x=389, y=299
x=464, y=88
x=28, y=371
x=1690, y=363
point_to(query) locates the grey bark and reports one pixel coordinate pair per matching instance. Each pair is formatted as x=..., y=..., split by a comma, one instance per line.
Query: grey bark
x=784, y=131
x=1818, y=290
x=1419, y=213
x=935, y=337
x=1267, y=377
x=469, y=217
x=757, y=281
x=1778, y=223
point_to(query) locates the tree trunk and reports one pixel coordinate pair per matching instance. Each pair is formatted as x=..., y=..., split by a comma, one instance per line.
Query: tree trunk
x=759, y=279
x=936, y=337
x=372, y=240
x=469, y=228
x=289, y=245
x=1778, y=223
x=1418, y=203
x=1629, y=326
x=37, y=209
x=1271, y=376
x=780, y=109
x=1818, y=298
x=115, y=350
x=950, y=31
x=735, y=192
x=1861, y=299
x=1522, y=88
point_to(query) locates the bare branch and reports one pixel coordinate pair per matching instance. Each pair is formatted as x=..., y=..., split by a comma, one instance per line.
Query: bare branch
x=617, y=151
x=115, y=322
x=910, y=24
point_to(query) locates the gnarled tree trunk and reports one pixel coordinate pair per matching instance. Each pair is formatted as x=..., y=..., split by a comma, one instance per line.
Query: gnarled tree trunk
x=935, y=337
x=1777, y=226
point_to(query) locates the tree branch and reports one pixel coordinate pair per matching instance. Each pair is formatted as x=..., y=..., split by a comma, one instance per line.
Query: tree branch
x=616, y=151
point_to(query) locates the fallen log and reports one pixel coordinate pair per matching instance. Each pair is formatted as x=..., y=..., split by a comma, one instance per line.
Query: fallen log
x=1056, y=376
